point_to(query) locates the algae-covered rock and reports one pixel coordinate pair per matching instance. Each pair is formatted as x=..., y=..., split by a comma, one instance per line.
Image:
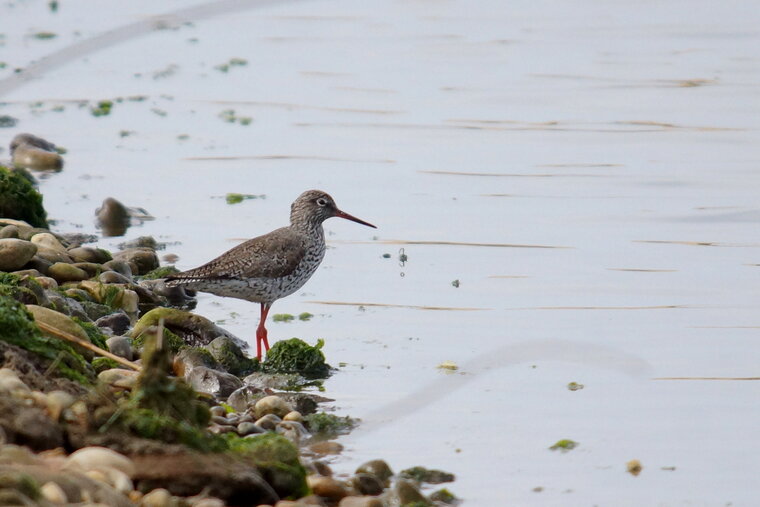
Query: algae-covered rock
x=230, y=357
x=62, y=323
x=15, y=253
x=18, y=329
x=296, y=356
x=426, y=475
x=324, y=425
x=19, y=200
x=277, y=459
x=194, y=330
x=216, y=383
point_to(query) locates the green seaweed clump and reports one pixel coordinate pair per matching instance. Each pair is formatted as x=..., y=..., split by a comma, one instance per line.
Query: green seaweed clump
x=282, y=317
x=425, y=475
x=25, y=290
x=564, y=445
x=325, y=426
x=276, y=457
x=175, y=342
x=297, y=356
x=103, y=108
x=161, y=272
x=96, y=337
x=305, y=316
x=444, y=496
x=17, y=327
x=104, y=363
x=19, y=200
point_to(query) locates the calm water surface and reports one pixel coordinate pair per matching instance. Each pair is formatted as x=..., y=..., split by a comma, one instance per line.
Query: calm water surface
x=587, y=171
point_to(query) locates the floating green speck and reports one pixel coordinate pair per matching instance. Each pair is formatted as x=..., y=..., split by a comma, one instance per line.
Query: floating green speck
x=564, y=445
x=45, y=35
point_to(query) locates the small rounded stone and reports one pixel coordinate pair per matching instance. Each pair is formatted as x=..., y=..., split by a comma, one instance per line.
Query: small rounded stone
x=293, y=416
x=94, y=458
x=272, y=405
x=218, y=410
x=377, y=467
x=326, y=447
x=15, y=253
x=326, y=487
x=248, y=428
x=121, y=346
x=268, y=422
x=53, y=493
x=48, y=240
x=360, y=501
x=157, y=498
x=367, y=484
x=112, y=277
x=64, y=272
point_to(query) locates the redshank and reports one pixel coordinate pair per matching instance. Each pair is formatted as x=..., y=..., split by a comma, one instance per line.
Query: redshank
x=272, y=266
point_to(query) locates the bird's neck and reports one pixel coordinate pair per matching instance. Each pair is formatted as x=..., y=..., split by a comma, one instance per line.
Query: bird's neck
x=313, y=231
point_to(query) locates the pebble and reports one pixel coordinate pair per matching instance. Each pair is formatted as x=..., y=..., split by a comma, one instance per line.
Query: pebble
x=121, y=346
x=88, y=254
x=367, y=484
x=117, y=322
x=216, y=383
x=53, y=493
x=46, y=282
x=360, y=501
x=144, y=259
x=57, y=402
x=119, y=377
x=293, y=416
x=218, y=410
x=207, y=502
x=377, y=467
x=326, y=487
x=157, y=498
x=243, y=398
x=63, y=272
x=51, y=255
x=119, y=266
x=271, y=405
x=95, y=458
x=15, y=253
x=292, y=430
x=407, y=492
x=326, y=447
x=112, y=277
x=63, y=323
x=49, y=241
x=248, y=428
x=268, y=422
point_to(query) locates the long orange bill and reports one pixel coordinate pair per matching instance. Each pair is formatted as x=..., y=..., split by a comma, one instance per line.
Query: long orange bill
x=341, y=214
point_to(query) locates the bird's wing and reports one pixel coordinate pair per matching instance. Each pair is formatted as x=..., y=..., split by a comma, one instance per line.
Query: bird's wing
x=272, y=255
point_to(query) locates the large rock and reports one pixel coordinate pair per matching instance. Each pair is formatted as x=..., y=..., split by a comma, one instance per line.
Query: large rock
x=15, y=253
x=194, y=330
x=230, y=357
x=19, y=199
x=63, y=323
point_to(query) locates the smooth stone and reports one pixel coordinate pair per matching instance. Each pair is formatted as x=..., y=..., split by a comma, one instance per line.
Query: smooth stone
x=159, y=497
x=47, y=240
x=360, y=501
x=63, y=323
x=218, y=429
x=377, y=467
x=244, y=398
x=91, y=268
x=195, y=329
x=220, y=419
x=407, y=492
x=120, y=267
x=112, y=277
x=40, y=264
x=13, y=384
x=46, y=282
x=117, y=322
x=30, y=157
x=52, y=256
x=326, y=447
x=113, y=217
x=367, y=484
x=248, y=428
x=144, y=259
x=63, y=272
x=216, y=383
x=53, y=493
x=293, y=431
x=293, y=416
x=326, y=487
x=9, y=231
x=261, y=380
x=15, y=253
x=89, y=254
x=94, y=458
x=58, y=401
x=121, y=346
x=271, y=405
x=207, y=502
x=30, y=140
x=117, y=479
x=218, y=411
x=322, y=468
x=119, y=377
x=268, y=422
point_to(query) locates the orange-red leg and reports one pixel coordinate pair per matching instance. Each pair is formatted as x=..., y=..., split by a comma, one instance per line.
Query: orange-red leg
x=261, y=331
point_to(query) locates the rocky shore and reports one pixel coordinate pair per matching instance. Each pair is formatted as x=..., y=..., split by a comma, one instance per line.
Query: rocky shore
x=114, y=393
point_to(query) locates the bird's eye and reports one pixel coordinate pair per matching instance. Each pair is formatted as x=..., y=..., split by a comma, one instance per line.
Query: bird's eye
x=322, y=201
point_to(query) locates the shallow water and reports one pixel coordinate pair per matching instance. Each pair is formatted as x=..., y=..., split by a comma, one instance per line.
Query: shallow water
x=588, y=172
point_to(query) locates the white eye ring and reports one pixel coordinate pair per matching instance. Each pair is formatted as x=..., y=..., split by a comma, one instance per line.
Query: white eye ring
x=322, y=201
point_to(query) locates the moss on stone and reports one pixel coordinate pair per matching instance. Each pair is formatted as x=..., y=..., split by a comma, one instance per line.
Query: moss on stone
x=17, y=327
x=161, y=272
x=104, y=363
x=96, y=337
x=426, y=475
x=324, y=425
x=174, y=342
x=19, y=199
x=296, y=356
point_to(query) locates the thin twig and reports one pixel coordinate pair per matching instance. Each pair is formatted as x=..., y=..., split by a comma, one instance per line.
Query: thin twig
x=84, y=343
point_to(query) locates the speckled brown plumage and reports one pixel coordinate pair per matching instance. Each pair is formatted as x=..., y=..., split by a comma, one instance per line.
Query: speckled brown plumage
x=269, y=267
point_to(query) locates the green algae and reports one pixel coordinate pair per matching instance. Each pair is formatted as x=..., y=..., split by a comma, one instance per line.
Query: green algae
x=102, y=108
x=305, y=316
x=235, y=198
x=564, y=445
x=96, y=337
x=296, y=356
x=282, y=317
x=17, y=327
x=426, y=475
x=161, y=272
x=444, y=496
x=19, y=199
x=174, y=342
x=230, y=357
x=325, y=426
x=104, y=363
